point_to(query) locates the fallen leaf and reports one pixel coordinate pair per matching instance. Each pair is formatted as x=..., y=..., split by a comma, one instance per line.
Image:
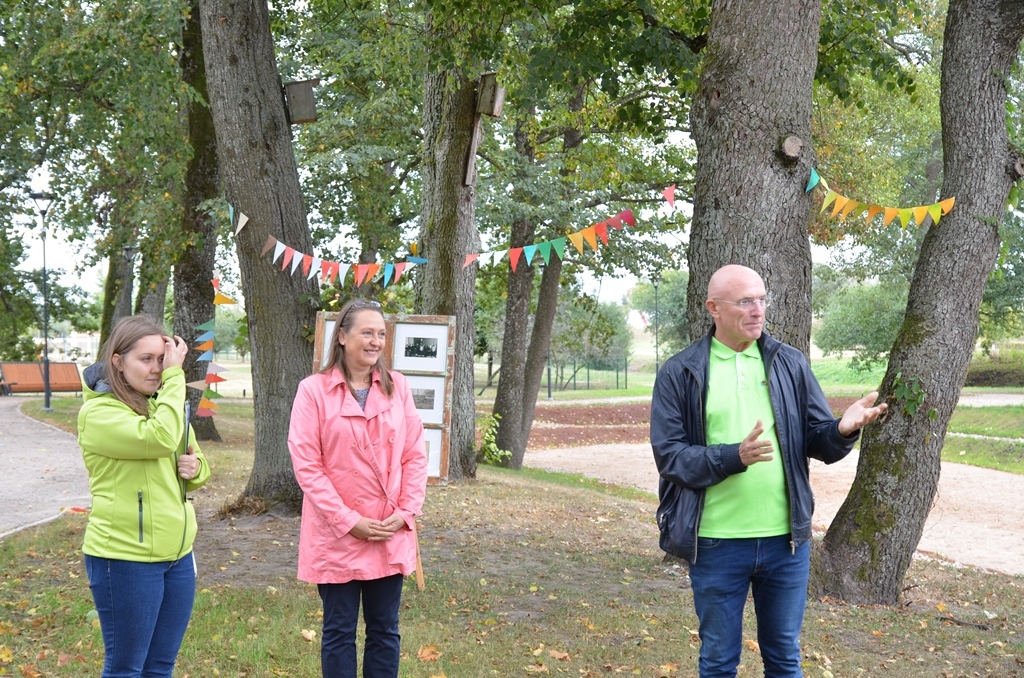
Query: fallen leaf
x=309, y=635
x=877, y=633
x=428, y=653
x=561, y=656
x=941, y=607
x=752, y=644
x=539, y=650
x=6, y=657
x=537, y=668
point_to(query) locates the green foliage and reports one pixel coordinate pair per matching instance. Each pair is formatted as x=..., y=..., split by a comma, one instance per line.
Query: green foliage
x=864, y=319
x=489, y=453
x=910, y=393
x=588, y=332
x=673, y=330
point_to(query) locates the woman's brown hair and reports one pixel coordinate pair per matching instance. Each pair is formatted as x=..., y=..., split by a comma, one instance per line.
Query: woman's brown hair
x=122, y=340
x=336, y=354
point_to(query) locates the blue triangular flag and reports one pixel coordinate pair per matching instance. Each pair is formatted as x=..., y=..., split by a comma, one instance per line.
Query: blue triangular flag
x=388, y=270
x=813, y=181
x=416, y=260
x=206, y=357
x=205, y=336
x=528, y=251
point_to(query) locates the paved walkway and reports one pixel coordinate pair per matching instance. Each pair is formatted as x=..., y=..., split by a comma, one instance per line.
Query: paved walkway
x=41, y=467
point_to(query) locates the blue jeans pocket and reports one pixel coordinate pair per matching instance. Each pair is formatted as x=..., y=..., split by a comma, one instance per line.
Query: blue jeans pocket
x=707, y=543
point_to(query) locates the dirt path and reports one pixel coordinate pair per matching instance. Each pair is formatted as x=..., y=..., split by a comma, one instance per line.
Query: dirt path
x=42, y=470
x=977, y=518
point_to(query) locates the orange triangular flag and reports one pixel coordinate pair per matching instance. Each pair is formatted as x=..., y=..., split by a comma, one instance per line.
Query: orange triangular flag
x=840, y=203
x=873, y=212
x=371, y=271
x=590, y=236
x=602, y=231
x=847, y=208
x=219, y=298
x=890, y=214
x=307, y=262
x=920, y=213
x=289, y=252
x=325, y=271
x=360, y=273
x=206, y=402
x=577, y=240
x=205, y=346
x=947, y=204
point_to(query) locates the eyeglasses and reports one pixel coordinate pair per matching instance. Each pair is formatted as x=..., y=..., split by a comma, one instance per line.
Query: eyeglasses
x=749, y=303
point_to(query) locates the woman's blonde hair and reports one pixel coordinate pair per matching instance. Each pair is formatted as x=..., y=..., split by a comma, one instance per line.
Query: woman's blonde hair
x=336, y=354
x=122, y=340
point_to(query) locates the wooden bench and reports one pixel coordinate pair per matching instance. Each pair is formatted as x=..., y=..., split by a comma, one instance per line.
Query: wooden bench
x=28, y=378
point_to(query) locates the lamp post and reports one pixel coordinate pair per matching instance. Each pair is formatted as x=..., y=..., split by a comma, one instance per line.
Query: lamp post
x=655, y=279
x=43, y=202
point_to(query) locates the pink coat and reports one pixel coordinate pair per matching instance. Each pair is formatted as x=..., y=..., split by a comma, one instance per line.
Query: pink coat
x=353, y=463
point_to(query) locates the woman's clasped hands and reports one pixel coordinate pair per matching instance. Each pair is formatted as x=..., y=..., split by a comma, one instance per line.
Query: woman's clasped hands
x=378, y=530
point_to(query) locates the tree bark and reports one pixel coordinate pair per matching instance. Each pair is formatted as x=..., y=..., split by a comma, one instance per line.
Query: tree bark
x=259, y=178
x=448, y=232
x=193, y=293
x=152, y=301
x=125, y=269
x=868, y=547
x=749, y=202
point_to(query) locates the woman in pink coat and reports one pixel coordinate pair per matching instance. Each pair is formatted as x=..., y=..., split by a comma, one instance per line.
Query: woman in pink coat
x=356, y=442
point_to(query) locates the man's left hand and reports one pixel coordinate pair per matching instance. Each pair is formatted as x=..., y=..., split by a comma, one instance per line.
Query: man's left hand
x=860, y=414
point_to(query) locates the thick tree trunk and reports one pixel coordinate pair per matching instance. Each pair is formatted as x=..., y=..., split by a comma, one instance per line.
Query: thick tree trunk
x=508, y=402
x=125, y=269
x=259, y=178
x=111, y=288
x=193, y=292
x=868, y=548
x=448, y=232
x=152, y=299
x=749, y=202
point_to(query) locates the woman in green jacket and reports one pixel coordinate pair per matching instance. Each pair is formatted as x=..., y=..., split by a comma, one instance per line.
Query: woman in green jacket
x=142, y=461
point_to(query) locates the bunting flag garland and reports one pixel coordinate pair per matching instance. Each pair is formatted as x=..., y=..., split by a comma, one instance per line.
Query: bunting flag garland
x=587, y=236
x=206, y=327
x=221, y=299
x=205, y=343
x=197, y=385
x=242, y=221
x=670, y=195
x=844, y=207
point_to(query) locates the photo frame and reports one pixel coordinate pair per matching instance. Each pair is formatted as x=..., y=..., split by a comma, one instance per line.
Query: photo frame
x=420, y=348
x=428, y=395
x=433, y=439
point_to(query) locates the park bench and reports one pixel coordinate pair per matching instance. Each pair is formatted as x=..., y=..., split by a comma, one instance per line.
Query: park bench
x=23, y=377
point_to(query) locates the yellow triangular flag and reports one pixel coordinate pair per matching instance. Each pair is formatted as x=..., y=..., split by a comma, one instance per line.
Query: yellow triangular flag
x=946, y=205
x=873, y=212
x=920, y=212
x=905, y=214
x=206, y=402
x=221, y=299
x=829, y=197
x=935, y=211
x=890, y=214
x=590, y=235
x=849, y=207
x=577, y=240
x=840, y=204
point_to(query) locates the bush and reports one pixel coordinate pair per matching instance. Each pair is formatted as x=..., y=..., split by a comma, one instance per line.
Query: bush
x=996, y=372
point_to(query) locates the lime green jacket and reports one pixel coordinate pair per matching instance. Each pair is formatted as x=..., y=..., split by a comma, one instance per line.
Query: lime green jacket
x=140, y=510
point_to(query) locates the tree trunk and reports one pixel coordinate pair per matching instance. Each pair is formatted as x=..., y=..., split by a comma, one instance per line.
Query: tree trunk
x=259, y=178
x=508, y=402
x=125, y=269
x=448, y=232
x=868, y=548
x=111, y=288
x=152, y=301
x=193, y=292
x=749, y=202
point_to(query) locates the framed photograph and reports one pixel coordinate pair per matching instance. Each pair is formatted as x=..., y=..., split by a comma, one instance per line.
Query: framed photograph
x=328, y=332
x=428, y=395
x=421, y=348
x=432, y=438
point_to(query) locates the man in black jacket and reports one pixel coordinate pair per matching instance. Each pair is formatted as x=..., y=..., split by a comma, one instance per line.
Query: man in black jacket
x=734, y=419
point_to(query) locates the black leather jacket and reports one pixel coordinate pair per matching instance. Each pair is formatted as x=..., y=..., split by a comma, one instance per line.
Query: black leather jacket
x=804, y=424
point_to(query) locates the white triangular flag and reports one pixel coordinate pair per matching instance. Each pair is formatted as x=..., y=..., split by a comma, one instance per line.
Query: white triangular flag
x=314, y=268
x=279, y=249
x=242, y=221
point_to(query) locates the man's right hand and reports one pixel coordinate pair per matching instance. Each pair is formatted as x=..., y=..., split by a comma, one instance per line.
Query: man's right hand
x=753, y=450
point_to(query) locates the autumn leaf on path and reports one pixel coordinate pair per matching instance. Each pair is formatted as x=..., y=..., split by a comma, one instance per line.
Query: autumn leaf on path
x=6, y=657
x=309, y=635
x=752, y=644
x=560, y=656
x=667, y=669
x=29, y=671
x=428, y=653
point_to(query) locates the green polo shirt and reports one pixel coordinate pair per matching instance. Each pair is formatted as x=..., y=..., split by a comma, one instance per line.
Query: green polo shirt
x=753, y=503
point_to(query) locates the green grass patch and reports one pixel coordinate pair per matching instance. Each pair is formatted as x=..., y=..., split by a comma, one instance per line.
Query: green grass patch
x=837, y=378
x=574, y=480
x=525, y=574
x=1002, y=422
x=1001, y=455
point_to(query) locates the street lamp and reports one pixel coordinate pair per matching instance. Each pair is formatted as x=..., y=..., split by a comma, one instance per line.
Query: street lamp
x=655, y=279
x=43, y=202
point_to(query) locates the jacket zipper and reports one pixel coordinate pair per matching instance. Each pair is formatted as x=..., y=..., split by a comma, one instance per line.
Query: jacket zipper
x=140, y=516
x=785, y=464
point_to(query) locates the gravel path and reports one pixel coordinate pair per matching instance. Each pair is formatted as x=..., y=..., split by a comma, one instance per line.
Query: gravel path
x=42, y=470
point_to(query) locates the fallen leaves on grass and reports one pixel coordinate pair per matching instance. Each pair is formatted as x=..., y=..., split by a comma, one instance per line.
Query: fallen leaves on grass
x=309, y=635
x=428, y=653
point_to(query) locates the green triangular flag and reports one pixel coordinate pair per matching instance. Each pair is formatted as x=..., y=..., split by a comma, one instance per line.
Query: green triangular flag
x=231, y=214
x=205, y=326
x=210, y=393
x=545, y=250
x=559, y=246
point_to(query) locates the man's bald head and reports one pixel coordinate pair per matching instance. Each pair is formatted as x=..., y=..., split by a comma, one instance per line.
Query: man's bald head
x=729, y=277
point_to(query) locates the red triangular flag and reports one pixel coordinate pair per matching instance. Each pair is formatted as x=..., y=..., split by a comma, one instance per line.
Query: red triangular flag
x=289, y=252
x=204, y=412
x=470, y=258
x=360, y=273
x=615, y=222
x=325, y=270
x=399, y=267
x=513, y=257
x=670, y=195
x=214, y=379
x=307, y=261
x=627, y=216
x=216, y=283
x=602, y=232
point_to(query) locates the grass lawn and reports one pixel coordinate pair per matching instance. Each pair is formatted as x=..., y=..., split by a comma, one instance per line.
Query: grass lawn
x=527, y=573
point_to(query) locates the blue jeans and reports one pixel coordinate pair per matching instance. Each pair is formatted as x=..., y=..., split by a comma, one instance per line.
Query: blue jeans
x=725, y=570
x=381, y=600
x=144, y=609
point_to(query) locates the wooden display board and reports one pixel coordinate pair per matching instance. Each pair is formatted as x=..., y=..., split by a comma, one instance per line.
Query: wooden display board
x=421, y=347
